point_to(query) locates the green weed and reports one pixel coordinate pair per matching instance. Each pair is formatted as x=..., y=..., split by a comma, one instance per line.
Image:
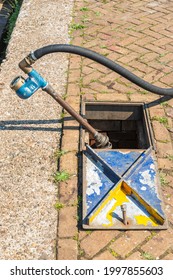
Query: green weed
x=170, y=157
x=163, y=180
x=60, y=153
x=61, y=176
x=162, y=120
x=129, y=92
x=77, y=202
x=58, y=205
x=82, y=93
x=76, y=237
x=162, y=54
x=147, y=256
x=113, y=253
x=77, y=26
x=103, y=47
x=84, y=19
x=62, y=115
x=80, y=83
x=84, y=9
x=164, y=141
x=88, y=232
x=144, y=92
x=97, y=14
x=164, y=104
x=94, y=80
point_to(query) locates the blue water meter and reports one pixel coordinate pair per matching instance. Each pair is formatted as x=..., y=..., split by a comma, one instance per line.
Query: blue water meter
x=26, y=87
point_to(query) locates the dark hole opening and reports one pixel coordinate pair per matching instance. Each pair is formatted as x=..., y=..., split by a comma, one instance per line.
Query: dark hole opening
x=125, y=125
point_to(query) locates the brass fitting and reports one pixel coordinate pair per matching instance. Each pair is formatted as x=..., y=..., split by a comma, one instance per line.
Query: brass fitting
x=17, y=83
x=25, y=64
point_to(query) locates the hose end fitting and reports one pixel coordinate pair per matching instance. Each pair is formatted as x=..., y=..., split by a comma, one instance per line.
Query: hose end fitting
x=102, y=141
x=25, y=64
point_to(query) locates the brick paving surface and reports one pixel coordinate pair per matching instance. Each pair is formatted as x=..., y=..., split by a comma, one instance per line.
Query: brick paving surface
x=139, y=36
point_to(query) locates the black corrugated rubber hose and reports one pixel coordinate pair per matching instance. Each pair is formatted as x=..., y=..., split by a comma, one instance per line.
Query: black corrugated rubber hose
x=104, y=61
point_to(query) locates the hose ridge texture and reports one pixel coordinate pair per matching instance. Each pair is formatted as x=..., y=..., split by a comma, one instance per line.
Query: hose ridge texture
x=104, y=61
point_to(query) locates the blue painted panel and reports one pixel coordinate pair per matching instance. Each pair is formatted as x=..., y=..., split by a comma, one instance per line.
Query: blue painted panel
x=98, y=183
x=119, y=161
x=104, y=169
x=143, y=179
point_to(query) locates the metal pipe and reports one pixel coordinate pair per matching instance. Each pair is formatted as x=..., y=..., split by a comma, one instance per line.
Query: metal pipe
x=124, y=212
x=101, y=140
x=26, y=88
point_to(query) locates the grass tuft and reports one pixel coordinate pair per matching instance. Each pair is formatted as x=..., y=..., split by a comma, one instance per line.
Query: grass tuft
x=61, y=176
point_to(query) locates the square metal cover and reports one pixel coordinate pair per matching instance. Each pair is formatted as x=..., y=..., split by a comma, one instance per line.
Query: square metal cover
x=121, y=186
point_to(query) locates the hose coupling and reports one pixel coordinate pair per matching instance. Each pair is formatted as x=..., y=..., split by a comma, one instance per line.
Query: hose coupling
x=102, y=141
x=25, y=64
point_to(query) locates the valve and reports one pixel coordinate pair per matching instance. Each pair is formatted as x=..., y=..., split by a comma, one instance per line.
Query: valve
x=26, y=87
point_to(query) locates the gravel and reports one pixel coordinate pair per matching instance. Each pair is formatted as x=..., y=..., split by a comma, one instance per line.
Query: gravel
x=30, y=134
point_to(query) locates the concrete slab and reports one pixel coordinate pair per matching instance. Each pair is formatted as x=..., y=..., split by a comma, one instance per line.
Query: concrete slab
x=29, y=136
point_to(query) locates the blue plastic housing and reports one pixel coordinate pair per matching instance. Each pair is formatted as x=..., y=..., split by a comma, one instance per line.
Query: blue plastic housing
x=31, y=85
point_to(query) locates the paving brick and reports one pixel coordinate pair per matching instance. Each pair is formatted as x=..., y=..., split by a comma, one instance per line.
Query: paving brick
x=74, y=76
x=70, y=140
x=168, y=200
x=147, y=98
x=96, y=241
x=148, y=57
x=94, y=76
x=73, y=102
x=74, y=62
x=135, y=256
x=73, y=90
x=152, y=33
x=140, y=38
x=156, y=111
x=128, y=58
x=160, y=132
x=163, y=41
x=168, y=257
x=166, y=58
x=115, y=97
x=154, y=48
x=67, y=249
x=72, y=161
x=67, y=222
x=167, y=80
x=163, y=149
x=77, y=41
x=141, y=66
x=159, y=243
x=89, y=97
x=127, y=41
x=153, y=77
x=109, y=78
x=165, y=163
x=130, y=240
x=68, y=191
x=84, y=233
x=137, y=48
x=106, y=255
